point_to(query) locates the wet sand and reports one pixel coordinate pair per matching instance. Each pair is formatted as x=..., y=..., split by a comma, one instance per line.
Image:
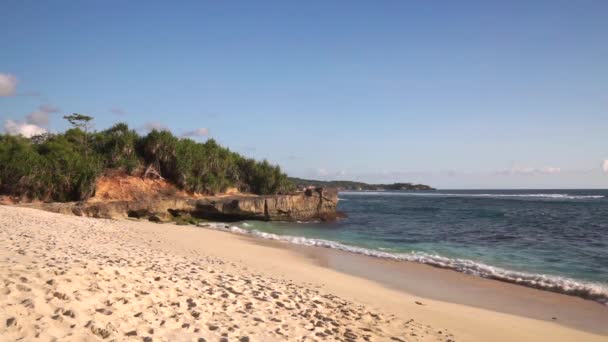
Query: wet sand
x=80, y=279
x=455, y=287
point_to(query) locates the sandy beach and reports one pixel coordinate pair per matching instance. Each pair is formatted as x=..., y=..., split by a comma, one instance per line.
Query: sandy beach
x=70, y=278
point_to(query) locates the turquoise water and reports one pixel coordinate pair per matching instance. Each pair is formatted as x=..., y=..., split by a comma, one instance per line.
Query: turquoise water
x=555, y=240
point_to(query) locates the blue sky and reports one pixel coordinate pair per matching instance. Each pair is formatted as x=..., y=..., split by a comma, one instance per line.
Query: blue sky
x=456, y=94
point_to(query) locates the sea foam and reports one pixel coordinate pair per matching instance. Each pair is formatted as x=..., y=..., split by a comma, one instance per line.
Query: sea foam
x=587, y=290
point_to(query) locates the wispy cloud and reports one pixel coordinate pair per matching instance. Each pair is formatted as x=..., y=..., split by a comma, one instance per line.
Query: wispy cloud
x=605, y=165
x=40, y=117
x=8, y=85
x=118, y=111
x=323, y=173
x=155, y=125
x=529, y=171
x=196, y=133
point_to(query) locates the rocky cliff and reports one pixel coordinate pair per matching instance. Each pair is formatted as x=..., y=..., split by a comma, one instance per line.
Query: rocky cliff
x=308, y=205
x=311, y=204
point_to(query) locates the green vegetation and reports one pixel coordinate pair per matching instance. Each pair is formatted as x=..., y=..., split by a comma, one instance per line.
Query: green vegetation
x=65, y=166
x=358, y=186
x=184, y=221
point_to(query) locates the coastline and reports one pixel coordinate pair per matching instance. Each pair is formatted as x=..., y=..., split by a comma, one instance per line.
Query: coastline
x=470, y=308
x=451, y=286
x=561, y=285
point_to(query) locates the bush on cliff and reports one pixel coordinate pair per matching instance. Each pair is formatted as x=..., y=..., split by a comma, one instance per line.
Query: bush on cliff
x=65, y=166
x=262, y=178
x=55, y=169
x=118, y=145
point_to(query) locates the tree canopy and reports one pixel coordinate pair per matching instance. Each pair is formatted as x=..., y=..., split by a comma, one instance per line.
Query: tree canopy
x=60, y=167
x=79, y=120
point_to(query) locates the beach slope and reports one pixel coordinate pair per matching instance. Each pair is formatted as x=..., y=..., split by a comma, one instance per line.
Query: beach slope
x=76, y=278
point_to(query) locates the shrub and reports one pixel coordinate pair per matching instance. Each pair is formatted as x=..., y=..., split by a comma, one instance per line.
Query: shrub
x=52, y=170
x=62, y=167
x=118, y=146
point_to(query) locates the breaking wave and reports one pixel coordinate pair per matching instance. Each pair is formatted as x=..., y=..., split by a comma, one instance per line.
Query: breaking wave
x=587, y=290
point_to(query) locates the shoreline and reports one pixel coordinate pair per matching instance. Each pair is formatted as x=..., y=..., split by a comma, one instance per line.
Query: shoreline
x=455, y=287
x=577, y=315
x=582, y=289
x=452, y=286
x=449, y=286
x=247, y=262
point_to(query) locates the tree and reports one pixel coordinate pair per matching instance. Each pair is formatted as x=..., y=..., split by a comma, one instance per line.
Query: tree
x=59, y=167
x=82, y=122
x=117, y=145
x=79, y=121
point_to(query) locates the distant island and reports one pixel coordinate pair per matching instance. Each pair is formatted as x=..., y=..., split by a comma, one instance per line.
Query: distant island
x=358, y=186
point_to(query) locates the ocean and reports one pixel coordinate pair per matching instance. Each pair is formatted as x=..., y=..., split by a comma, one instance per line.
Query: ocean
x=555, y=240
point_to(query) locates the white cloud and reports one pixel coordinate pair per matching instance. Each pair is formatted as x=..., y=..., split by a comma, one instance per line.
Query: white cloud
x=530, y=171
x=8, y=84
x=199, y=132
x=21, y=128
x=605, y=166
x=35, y=122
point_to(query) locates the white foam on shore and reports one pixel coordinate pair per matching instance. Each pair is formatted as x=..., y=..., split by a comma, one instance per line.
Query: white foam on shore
x=483, y=195
x=588, y=290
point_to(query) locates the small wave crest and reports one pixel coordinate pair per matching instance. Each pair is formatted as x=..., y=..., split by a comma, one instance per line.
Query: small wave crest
x=583, y=289
x=484, y=195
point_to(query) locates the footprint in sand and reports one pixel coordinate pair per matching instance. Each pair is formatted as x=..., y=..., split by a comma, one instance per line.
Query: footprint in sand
x=104, y=311
x=11, y=322
x=60, y=295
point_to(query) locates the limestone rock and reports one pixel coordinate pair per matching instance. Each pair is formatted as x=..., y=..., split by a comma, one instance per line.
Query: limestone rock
x=311, y=204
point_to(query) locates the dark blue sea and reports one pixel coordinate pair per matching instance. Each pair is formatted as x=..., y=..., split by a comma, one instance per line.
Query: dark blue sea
x=555, y=240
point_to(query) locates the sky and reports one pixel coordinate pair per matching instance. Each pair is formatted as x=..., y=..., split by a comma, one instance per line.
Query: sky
x=455, y=94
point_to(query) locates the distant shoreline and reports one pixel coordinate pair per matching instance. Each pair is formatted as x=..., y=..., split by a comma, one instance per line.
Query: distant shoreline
x=342, y=185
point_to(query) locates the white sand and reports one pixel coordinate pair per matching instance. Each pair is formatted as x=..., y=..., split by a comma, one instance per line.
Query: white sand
x=69, y=278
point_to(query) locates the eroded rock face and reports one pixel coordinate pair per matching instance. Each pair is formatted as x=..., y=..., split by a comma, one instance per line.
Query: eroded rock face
x=117, y=209
x=312, y=204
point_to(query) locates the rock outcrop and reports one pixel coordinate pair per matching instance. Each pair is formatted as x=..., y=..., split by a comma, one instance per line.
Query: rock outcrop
x=311, y=204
